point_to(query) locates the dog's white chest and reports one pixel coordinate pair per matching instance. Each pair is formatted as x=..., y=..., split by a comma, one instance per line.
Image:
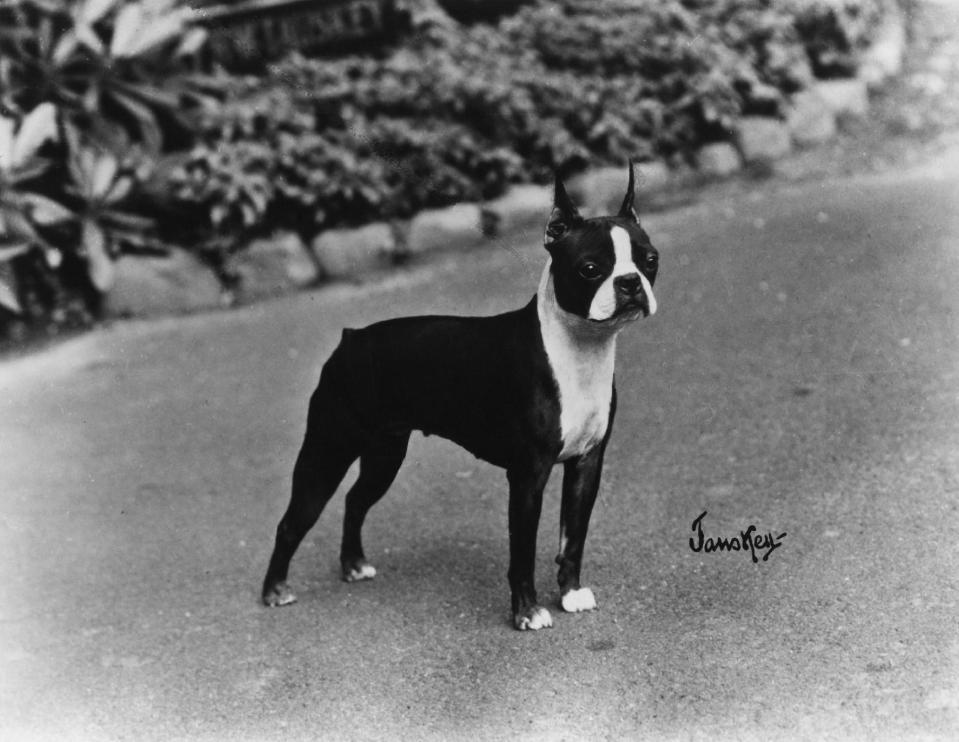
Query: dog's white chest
x=582, y=366
x=585, y=395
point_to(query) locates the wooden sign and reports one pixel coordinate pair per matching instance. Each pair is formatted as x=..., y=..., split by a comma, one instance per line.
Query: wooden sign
x=248, y=33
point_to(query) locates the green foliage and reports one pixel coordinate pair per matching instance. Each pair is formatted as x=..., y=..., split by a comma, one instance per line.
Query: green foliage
x=88, y=91
x=108, y=141
x=834, y=31
x=265, y=161
x=100, y=60
x=26, y=212
x=458, y=113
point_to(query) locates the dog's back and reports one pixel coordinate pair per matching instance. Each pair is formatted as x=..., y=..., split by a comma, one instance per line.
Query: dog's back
x=387, y=384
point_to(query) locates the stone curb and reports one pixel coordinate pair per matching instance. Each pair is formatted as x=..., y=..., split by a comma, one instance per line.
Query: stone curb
x=352, y=253
x=522, y=206
x=600, y=191
x=762, y=140
x=846, y=97
x=718, y=160
x=272, y=266
x=176, y=283
x=811, y=118
x=884, y=57
x=457, y=227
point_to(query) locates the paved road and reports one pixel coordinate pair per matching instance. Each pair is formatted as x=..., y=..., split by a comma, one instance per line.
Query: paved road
x=802, y=375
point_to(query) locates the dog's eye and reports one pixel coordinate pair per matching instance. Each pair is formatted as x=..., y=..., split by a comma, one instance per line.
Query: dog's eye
x=589, y=271
x=652, y=260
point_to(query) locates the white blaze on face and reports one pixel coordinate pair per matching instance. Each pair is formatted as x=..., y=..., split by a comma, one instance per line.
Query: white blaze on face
x=603, y=305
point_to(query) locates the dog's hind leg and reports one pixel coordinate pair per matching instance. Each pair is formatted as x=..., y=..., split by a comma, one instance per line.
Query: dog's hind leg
x=320, y=467
x=379, y=464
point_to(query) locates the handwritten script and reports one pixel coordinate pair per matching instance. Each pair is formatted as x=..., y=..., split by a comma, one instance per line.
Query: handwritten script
x=748, y=540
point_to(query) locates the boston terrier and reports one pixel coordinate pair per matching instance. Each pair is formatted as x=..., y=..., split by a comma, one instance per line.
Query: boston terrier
x=522, y=390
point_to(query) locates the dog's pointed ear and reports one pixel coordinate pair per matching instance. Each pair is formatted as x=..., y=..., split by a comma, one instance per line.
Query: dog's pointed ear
x=563, y=216
x=628, y=210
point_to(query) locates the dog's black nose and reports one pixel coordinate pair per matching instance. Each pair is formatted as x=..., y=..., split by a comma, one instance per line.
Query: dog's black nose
x=629, y=285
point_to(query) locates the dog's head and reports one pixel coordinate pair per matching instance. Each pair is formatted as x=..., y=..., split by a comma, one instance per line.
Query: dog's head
x=603, y=269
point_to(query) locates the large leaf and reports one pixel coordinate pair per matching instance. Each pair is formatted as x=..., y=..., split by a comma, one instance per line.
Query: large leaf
x=93, y=10
x=45, y=211
x=127, y=221
x=27, y=172
x=192, y=42
x=161, y=31
x=65, y=48
x=148, y=93
x=125, y=29
x=38, y=126
x=72, y=136
x=88, y=37
x=158, y=7
x=138, y=31
x=44, y=36
x=104, y=173
x=82, y=164
x=50, y=7
x=9, y=252
x=6, y=143
x=119, y=190
x=8, y=288
x=99, y=263
x=17, y=226
x=150, y=131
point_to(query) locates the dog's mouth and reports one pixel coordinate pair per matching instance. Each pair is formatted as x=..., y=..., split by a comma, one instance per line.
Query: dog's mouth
x=632, y=309
x=627, y=312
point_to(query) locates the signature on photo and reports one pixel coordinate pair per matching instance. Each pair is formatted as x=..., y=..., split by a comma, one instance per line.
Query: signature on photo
x=747, y=540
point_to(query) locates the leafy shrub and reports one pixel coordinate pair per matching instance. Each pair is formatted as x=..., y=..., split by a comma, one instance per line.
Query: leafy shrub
x=458, y=113
x=104, y=133
x=100, y=59
x=622, y=76
x=24, y=211
x=764, y=57
x=87, y=92
x=834, y=31
x=263, y=163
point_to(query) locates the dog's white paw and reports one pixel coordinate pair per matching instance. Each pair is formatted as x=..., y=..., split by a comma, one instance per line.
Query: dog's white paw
x=359, y=572
x=279, y=594
x=579, y=600
x=533, y=619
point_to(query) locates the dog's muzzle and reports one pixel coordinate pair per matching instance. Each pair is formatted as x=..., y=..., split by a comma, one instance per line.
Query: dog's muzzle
x=633, y=295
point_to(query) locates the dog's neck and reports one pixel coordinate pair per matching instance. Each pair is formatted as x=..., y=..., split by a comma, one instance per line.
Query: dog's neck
x=582, y=356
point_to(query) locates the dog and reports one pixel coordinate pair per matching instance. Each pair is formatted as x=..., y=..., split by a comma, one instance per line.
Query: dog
x=523, y=390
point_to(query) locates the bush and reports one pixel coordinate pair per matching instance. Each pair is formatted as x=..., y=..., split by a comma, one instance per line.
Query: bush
x=89, y=93
x=834, y=31
x=97, y=154
x=460, y=113
x=263, y=163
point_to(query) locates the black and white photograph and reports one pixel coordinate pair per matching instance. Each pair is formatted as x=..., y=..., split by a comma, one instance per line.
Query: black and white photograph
x=541, y=370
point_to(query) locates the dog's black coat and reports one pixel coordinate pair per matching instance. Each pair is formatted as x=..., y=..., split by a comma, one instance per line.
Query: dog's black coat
x=492, y=368
x=485, y=383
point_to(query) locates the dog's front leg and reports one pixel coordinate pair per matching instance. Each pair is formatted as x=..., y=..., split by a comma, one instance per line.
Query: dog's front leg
x=526, y=486
x=580, y=485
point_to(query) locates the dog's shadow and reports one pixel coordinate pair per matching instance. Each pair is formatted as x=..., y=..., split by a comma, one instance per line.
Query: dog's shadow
x=446, y=577
x=452, y=567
